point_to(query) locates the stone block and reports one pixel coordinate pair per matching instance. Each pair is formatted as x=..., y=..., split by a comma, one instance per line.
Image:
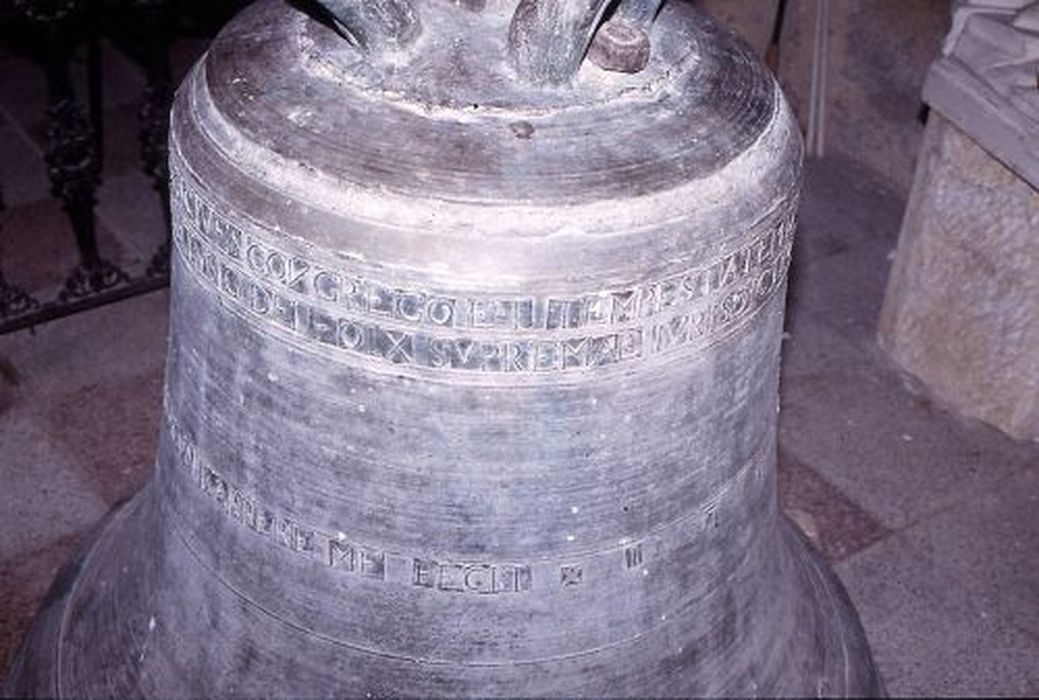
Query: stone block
x=961, y=311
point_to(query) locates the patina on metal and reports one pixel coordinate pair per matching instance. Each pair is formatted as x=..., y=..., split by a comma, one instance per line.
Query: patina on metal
x=472, y=378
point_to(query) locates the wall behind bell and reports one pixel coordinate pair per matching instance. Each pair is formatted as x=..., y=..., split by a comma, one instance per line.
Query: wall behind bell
x=879, y=53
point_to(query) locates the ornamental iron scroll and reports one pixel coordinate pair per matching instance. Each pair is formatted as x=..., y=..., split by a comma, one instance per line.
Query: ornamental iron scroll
x=74, y=151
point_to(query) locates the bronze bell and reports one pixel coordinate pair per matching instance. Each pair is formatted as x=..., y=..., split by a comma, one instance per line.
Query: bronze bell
x=472, y=376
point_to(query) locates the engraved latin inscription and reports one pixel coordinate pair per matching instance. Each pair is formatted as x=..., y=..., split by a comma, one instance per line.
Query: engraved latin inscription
x=355, y=558
x=338, y=551
x=697, y=326
x=357, y=295
x=342, y=553
x=471, y=578
x=445, y=330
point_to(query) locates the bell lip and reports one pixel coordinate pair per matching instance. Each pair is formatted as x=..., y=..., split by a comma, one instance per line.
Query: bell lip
x=35, y=670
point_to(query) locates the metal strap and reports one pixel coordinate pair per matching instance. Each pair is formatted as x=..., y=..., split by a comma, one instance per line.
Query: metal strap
x=376, y=25
x=548, y=39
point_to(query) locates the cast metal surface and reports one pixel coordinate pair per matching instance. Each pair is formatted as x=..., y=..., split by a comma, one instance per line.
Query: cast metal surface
x=472, y=383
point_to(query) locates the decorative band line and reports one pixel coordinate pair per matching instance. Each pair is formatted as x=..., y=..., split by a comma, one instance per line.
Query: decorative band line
x=323, y=322
x=361, y=297
x=341, y=552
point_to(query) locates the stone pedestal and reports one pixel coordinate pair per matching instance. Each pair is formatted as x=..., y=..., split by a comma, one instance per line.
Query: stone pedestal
x=962, y=306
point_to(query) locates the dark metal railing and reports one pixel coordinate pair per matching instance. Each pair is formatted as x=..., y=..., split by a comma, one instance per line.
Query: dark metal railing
x=74, y=147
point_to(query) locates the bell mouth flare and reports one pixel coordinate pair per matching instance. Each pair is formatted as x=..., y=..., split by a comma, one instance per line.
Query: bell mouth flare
x=48, y=663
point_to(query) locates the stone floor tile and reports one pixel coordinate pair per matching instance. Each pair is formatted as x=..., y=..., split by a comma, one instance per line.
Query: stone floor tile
x=110, y=344
x=23, y=174
x=23, y=92
x=122, y=144
x=846, y=412
x=38, y=248
x=849, y=224
x=950, y=604
x=23, y=86
x=850, y=418
x=835, y=190
x=123, y=80
x=23, y=584
x=112, y=427
x=132, y=210
x=843, y=291
x=837, y=526
x=44, y=497
x=79, y=405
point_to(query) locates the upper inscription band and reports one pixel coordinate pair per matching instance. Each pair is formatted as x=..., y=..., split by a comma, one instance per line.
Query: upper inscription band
x=475, y=333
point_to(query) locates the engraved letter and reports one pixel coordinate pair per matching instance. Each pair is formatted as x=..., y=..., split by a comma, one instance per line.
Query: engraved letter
x=396, y=347
x=571, y=575
x=625, y=306
x=340, y=555
x=519, y=356
x=297, y=269
x=575, y=352
x=277, y=266
x=479, y=578
x=766, y=282
x=491, y=354
x=506, y=579
x=409, y=305
x=630, y=342
x=322, y=327
x=604, y=351
x=372, y=564
x=463, y=352
x=439, y=352
x=380, y=299
x=259, y=299
x=563, y=313
x=441, y=312
x=229, y=281
x=452, y=577
x=546, y=356
x=633, y=556
x=351, y=335
x=285, y=312
x=254, y=257
x=424, y=570
x=326, y=285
